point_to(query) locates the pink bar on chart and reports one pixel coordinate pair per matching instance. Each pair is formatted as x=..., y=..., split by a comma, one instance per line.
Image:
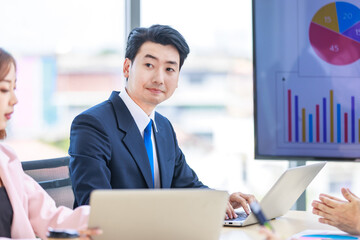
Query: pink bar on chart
x=289, y=115
x=317, y=123
x=346, y=127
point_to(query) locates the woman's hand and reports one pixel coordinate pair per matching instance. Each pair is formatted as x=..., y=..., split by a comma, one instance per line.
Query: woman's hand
x=87, y=233
x=270, y=235
x=343, y=214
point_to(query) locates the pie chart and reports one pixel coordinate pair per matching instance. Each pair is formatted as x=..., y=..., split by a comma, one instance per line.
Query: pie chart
x=334, y=33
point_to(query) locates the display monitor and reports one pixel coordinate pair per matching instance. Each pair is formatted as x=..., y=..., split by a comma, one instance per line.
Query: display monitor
x=307, y=79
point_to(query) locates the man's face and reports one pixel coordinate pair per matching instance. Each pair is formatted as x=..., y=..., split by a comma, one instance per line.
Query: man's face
x=153, y=75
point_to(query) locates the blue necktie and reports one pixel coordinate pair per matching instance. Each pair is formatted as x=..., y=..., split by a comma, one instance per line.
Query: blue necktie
x=149, y=148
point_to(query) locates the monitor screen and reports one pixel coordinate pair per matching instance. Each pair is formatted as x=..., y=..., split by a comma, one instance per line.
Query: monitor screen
x=307, y=79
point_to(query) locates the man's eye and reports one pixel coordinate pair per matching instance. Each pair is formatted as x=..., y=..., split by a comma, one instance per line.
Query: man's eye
x=148, y=65
x=170, y=70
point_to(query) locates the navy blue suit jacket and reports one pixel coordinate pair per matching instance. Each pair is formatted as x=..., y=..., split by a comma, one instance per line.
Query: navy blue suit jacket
x=107, y=151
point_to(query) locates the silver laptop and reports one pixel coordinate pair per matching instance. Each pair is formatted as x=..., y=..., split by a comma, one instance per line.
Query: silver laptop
x=158, y=214
x=282, y=195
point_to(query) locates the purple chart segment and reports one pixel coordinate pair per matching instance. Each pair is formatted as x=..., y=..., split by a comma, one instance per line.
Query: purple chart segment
x=353, y=32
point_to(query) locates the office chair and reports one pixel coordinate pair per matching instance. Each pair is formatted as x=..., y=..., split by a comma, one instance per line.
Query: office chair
x=52, y=175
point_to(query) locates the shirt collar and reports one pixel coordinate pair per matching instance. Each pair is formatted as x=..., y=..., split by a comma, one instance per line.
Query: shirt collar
x=140, y=117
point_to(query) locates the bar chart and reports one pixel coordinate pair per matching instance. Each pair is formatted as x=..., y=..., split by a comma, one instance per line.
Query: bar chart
x=307, y=126
x=317, y=114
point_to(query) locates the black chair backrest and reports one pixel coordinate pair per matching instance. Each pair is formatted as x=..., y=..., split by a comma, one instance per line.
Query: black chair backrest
x=53, y=176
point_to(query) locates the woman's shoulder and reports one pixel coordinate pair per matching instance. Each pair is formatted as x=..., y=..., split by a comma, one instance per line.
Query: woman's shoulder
x=7, y=152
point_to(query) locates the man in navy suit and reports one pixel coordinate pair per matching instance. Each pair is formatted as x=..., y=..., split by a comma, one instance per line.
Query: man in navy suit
x=108, y=147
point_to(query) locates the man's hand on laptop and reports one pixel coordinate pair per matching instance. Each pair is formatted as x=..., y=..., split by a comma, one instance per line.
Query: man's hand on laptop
x=237, y=200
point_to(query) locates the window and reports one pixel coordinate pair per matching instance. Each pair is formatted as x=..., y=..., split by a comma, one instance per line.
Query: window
x=69, y=56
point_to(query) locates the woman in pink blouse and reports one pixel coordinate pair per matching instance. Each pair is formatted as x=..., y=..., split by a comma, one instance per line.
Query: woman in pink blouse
x=26, y=210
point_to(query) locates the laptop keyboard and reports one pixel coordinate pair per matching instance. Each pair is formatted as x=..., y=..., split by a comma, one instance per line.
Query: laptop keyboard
x=241, y=216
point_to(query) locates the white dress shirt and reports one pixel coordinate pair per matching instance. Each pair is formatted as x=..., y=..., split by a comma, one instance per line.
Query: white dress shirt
x=142, y=120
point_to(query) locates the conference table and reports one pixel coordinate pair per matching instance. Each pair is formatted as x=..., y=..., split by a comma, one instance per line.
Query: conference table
x=286, y=226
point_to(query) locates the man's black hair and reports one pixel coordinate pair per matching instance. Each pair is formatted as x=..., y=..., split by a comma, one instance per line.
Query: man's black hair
x=162, y=34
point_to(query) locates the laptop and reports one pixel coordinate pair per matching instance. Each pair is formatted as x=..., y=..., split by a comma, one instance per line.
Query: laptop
x=175, y=214
x=283, y=194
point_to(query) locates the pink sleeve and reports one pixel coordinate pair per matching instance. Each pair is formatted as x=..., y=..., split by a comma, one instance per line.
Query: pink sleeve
x=43, y=212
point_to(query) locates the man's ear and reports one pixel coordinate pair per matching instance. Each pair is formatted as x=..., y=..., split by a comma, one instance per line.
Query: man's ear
x=126, y=67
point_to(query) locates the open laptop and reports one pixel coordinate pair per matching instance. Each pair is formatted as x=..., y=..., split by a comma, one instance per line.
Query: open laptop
x=175, y=214
x=282, y=195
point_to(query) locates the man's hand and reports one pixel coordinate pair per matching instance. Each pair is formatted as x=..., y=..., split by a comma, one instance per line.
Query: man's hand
x=343, y=214
x=237, y=200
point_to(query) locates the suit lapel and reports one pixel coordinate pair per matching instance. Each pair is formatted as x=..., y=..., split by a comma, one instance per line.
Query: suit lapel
x=132, y=139
x=165, y=166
